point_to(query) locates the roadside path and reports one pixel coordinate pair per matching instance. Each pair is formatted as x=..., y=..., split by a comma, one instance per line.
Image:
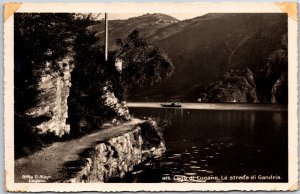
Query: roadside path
x=50, y=160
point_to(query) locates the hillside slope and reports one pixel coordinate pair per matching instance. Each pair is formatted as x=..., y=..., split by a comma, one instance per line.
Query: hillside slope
x=203, y=49
x=147, y=25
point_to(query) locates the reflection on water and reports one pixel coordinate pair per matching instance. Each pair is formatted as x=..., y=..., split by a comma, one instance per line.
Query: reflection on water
x=217, y=146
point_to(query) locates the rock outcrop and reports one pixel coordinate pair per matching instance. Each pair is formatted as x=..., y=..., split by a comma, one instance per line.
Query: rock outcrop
x=113, y=158
x=236, y=86
x=52, y=93
x=63, y=86
x=280, y=90
x=110, y=100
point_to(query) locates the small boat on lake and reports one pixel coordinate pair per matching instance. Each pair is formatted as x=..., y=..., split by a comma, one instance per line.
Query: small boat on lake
x=171, y=104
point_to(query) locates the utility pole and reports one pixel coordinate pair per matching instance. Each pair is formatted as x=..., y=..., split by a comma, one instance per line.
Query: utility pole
x=106, y=37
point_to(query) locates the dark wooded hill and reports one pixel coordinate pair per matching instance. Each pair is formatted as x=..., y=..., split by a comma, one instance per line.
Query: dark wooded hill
x=206, y=48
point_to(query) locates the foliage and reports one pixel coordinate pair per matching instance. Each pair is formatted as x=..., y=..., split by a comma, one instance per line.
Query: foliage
x=274, y=70
x=90, y=76
x=267, y=83
x=41, y=41
x=38, y=38
x=42, y=37
x=143, y=63
x=149, y=133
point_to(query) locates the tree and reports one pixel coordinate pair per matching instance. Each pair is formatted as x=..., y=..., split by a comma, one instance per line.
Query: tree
x=41, y=41
x=143, y=63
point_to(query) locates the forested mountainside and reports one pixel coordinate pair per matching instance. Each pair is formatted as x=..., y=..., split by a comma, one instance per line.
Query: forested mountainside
x=206, y=48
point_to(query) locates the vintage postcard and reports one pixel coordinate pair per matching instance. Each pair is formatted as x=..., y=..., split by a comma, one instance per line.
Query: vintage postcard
x=151, y=97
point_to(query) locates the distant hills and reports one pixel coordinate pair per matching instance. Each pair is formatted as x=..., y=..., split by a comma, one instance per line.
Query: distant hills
x=204, y=49
x=148, y=25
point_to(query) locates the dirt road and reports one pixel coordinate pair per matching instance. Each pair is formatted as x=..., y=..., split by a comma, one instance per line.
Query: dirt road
x=50, y=160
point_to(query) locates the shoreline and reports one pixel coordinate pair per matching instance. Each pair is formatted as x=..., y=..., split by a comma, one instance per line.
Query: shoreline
x=213, y=106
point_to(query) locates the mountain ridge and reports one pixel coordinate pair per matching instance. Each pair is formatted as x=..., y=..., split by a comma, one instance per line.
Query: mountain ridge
x=204, y=48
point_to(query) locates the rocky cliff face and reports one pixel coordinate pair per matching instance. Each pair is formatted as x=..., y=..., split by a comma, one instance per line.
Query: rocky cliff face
x=113, y=158
x=236, y=86
x=110, y=100
x=52, y=94
x=280, y=89
x=62, y=83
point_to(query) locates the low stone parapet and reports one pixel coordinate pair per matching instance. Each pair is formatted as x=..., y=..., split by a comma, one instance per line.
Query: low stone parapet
x=116, y=156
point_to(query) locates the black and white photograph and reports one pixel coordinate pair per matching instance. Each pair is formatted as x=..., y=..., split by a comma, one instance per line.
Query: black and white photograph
x=179, y=98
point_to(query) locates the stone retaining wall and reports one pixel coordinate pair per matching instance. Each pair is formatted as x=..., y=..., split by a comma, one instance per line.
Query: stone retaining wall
x=115, y=157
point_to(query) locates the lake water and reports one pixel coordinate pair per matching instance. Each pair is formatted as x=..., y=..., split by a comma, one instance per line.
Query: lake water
x=245, y=144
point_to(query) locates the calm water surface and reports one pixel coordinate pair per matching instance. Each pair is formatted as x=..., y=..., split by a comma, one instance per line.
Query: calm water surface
x=217, y=146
